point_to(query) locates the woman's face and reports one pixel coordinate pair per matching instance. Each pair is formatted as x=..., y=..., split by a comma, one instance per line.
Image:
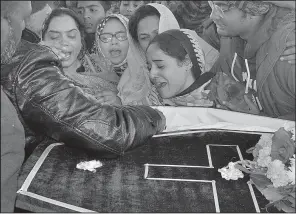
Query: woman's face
x=147, y=30
x=115, y=43
x=169, y=75
x=127, y=8
x=64, y=33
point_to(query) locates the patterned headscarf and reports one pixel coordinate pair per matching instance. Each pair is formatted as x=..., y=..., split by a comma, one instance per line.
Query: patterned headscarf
x=134, y=87
x=119, y=69
x=255, y=8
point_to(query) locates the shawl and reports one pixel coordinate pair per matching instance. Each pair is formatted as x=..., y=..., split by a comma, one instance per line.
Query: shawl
x=134, y=87
x=92, y=81
x=167, y=21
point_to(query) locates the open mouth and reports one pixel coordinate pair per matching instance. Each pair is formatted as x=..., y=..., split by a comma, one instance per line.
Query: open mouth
x=219, y=26
x=159, y=85
x=88, y=25
x=67, y=55
x=115, y=52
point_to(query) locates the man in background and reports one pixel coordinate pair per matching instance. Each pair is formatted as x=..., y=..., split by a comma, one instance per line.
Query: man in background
x=92, y=13
x=253, y=37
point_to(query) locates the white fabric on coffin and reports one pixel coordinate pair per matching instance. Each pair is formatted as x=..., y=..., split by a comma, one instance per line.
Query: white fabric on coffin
x=186, y=118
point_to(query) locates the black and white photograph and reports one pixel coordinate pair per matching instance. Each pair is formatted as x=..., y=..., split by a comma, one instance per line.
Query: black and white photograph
x=148, y=106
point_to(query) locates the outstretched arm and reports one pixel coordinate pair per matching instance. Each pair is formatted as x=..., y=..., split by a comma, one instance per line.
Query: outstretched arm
x=51, y=105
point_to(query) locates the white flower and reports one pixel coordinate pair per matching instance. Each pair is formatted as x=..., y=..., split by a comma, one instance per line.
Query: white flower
x=264, y=158
x=229, y=172
x=89, y=165
x=277, y=174
x=265, y=140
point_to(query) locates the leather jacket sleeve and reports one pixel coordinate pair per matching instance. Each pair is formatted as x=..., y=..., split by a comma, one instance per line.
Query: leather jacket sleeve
x=51, y=105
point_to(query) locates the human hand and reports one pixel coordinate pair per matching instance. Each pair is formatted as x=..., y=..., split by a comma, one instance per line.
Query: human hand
x=162, y=124
x=108, y=97
x=56, y=48
x=252, y=108
x=289, y=53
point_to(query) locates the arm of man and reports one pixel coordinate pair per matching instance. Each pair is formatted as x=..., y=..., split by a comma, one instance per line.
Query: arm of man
x=283, y=86
x=286, y=77
x=51, y=105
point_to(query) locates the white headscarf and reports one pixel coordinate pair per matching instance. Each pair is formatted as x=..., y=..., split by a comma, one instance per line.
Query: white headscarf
x=167, y=20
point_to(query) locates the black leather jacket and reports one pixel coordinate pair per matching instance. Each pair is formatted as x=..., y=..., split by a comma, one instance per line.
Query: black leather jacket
x=50, y=105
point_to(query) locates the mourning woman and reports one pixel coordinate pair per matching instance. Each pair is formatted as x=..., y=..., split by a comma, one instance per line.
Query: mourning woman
x=117, y=47
x=152, y=19
x=64, y=33
x=177, y=68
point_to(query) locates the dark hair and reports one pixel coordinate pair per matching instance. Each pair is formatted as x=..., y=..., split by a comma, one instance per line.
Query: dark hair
x=141, y=13
x=169, y=45
x=66, y=12
x=105, y=4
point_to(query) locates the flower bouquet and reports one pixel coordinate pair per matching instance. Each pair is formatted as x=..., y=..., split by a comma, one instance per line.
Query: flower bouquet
x=273, y=169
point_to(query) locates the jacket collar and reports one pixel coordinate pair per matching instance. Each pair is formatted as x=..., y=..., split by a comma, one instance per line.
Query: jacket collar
x=30, y=36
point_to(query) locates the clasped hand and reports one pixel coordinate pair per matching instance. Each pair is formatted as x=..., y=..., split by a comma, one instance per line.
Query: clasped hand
x=108, y=97
x=252, y=108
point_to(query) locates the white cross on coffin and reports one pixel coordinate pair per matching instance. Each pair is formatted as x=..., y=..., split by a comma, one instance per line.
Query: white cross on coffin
x=149, y=168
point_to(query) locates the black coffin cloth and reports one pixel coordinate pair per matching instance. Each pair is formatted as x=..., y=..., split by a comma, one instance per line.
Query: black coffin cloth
x=177, y=173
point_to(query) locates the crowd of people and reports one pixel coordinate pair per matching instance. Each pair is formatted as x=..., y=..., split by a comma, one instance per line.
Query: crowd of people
x=86, y=73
